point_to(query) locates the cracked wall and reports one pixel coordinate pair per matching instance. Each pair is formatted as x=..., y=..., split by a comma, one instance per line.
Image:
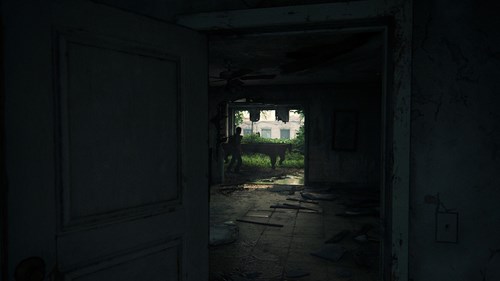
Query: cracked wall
x=455, y=138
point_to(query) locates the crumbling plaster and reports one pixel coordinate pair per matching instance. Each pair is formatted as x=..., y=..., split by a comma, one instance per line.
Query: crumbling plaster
x=455, y=138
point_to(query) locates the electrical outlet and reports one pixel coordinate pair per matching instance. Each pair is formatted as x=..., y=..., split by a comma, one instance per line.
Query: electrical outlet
x=447, y=227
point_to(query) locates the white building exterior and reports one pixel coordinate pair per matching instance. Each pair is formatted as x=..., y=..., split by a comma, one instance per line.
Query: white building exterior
x=269, y=127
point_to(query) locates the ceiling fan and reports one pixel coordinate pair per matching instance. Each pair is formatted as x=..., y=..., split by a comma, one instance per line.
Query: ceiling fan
x=234, y=77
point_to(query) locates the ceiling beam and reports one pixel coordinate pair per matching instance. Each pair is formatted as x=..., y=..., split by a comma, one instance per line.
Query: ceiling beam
x=283, y=16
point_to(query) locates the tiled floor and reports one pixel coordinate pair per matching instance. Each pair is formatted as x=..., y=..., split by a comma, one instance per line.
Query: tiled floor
x=271, y=253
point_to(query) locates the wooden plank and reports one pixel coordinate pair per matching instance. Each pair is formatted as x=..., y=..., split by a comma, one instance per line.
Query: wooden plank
x=260, y=223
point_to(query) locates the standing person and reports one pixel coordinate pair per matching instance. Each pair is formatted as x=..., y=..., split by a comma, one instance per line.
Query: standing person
x=235, y=144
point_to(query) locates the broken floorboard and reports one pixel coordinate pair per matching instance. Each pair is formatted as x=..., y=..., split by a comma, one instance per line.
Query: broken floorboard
x=264, y=253
x=260, y=223
x=294, y=207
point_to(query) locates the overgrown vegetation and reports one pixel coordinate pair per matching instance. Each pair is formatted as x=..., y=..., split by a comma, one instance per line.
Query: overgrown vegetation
x=238, y=118
x=293, y=160
x=259, y=139
x=298, y=143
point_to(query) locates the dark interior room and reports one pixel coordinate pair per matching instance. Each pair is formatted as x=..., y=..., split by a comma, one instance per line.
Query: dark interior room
x=238, y=140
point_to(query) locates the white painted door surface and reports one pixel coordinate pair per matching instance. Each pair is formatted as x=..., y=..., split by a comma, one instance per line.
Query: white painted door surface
x=106, y=157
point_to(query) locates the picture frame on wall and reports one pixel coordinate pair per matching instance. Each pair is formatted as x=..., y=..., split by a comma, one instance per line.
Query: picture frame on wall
x=345, y=130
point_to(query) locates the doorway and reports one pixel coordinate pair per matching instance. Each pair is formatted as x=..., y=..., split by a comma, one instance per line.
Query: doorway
x=337, y=78
x=272, y=144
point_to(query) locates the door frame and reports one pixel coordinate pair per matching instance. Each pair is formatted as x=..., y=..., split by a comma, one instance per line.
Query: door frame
x=3, y=174
x=394, y=20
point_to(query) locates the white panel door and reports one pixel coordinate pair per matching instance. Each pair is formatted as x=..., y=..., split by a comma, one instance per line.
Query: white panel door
x=107, y=144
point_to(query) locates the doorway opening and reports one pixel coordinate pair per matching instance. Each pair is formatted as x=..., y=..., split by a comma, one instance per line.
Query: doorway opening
x=272, y=144
x=327, y=227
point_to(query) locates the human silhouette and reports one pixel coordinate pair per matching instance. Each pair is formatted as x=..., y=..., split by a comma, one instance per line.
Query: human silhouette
x=235, y=144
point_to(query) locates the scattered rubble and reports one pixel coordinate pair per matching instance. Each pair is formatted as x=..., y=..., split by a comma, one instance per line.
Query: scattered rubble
x=339, y=236
x=296, y=273
x=293, y=206
x=359, y=212
x=230, y=189
x=260, y=223
x=302, y=201
x=319, y=196
x=343, y=273
x=224, y=233
x=330, y=252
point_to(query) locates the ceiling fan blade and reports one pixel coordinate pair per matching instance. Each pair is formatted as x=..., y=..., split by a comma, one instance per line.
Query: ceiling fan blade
x=229, y=75
x=234, y=85
x=258, y=77
x=241, y=72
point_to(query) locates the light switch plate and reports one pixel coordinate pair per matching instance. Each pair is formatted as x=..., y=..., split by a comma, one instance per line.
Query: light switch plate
x=447, y=227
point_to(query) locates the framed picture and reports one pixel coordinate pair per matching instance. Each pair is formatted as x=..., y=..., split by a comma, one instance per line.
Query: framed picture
x=345, y=130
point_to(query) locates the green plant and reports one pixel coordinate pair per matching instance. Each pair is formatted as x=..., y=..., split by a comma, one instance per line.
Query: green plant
x=256, y=160
x=258, y=139
x=298, y=142
x=238, y=118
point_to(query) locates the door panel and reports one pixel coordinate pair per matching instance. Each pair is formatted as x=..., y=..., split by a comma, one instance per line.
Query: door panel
x=123, y=173
x=155, y=263
x=120, y=129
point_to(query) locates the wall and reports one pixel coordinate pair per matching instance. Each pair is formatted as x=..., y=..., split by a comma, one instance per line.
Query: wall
x=455, y=138
x=361, y=166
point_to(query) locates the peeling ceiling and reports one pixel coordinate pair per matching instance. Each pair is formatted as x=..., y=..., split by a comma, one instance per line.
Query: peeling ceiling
x=295, y=58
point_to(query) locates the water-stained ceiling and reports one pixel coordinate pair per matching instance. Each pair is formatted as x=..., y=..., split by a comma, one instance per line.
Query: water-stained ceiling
x=295, y=58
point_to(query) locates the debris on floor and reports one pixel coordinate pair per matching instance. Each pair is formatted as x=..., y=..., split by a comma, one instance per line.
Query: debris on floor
x=285, y=189
x=264, y=256
x=343, y=273
x=291, y=246
x=302, y=201
x=373, y=235
x=361, y=238
x=318, y=196
x=258, y=214
x=293, y=206
x=366, y=257
x=358, y=212
x=261, y=223
x=296, y=273
x=364, y=229
x=224, y=233
x=252, y=275
x=230, y=189
x=330, y=252
x=338, y=236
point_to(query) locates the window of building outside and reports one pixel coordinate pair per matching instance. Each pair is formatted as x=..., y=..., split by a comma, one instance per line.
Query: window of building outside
x=266, y=133
x=247, y=132
x=285, y=134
